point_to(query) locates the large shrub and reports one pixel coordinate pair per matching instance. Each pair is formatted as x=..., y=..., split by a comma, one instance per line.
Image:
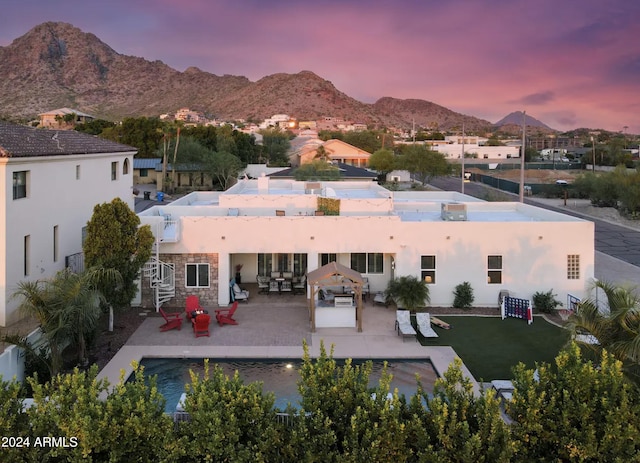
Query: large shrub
x=546, y=302
x=463, y=296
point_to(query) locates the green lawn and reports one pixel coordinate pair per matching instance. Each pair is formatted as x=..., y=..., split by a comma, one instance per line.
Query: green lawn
x=490, y=347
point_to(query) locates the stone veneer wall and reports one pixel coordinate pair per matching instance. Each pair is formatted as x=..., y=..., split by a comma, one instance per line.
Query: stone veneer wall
x=208, y=296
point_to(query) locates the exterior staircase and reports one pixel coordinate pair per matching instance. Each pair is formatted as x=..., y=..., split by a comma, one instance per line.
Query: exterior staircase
x=162, y=277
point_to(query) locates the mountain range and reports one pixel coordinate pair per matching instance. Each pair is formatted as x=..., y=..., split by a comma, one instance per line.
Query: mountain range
x=57, y=65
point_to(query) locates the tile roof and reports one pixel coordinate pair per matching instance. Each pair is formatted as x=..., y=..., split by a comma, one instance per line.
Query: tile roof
x=22, y=141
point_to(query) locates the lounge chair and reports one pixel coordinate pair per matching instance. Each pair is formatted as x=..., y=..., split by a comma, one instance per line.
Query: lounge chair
x=403, y=324
x=240, y=294
x=380, y=298
x=201, y=325
x=423, y=320
x=191, y=305
x=172, y=320
x=225, y=316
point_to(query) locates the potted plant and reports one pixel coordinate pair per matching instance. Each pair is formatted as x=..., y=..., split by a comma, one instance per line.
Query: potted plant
x=238, y=276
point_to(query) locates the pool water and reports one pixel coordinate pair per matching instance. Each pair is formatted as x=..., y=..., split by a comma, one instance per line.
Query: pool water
x=279, y=376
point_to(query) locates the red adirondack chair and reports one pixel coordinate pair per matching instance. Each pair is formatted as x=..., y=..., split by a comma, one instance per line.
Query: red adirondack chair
x=226, y=315
x=201, y=325
x=192, y=304
x=172, y=320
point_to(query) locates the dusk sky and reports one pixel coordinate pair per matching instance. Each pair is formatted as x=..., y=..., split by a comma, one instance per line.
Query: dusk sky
x=568, y=63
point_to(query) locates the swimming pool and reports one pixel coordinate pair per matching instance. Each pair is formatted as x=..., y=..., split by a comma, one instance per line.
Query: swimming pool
x=279, y=376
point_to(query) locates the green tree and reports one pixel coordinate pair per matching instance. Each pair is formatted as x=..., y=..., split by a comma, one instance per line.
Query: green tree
x=229, y=420
x=67, y=308
x=94, y=126
x=115, y=240
x=276, y=145
x=144, y=133
x=339, y=409
x=409, y=292
x=223, y=167
x=317, y=170
x=455, y=425
x=382, y=161
x=616, y=327
x=575, y=411
x=126, y=423
x=423, y=163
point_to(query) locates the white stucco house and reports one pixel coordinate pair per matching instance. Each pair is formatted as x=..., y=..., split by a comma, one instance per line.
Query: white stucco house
x=446, y=238
x=51, y=181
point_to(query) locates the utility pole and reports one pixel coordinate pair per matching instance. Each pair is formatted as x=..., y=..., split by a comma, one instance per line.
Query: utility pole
x=462, y=174
x=524, y=131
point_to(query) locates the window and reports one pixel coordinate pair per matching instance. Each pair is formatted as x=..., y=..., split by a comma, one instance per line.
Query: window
x=78, y=172
x=372, y=262
x=283, y=263
x=326, y=258
x=573, y=267
x=55, y=243
x=197, y=275
x=27, y=254
x=20, y=184
x=264, y=264
x=375, y=262
x=299, y=264
x=359, y=262
x=144, y=172
x=125, y=167
x=494, y=270
x=428, y=269
x=114, y=170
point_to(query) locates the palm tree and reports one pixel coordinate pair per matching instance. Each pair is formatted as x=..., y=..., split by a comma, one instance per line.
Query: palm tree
x=408, y=292
x=67, y=307
x=614, y=323
x=82, y=300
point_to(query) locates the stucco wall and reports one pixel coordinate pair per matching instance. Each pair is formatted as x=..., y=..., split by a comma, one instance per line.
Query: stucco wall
x=54, y=197
x=534, y=253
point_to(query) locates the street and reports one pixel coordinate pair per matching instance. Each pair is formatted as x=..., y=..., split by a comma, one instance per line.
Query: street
x=617, y=241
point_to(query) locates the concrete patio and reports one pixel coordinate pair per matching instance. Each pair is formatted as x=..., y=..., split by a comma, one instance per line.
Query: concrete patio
x=275, y=326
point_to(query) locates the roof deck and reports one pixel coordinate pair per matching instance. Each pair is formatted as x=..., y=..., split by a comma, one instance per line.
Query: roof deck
x=266, y=197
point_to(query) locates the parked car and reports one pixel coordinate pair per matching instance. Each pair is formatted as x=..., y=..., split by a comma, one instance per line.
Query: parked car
x=561, y=182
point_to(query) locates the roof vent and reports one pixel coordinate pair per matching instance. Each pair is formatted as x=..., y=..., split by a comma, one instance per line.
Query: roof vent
x=453, y=211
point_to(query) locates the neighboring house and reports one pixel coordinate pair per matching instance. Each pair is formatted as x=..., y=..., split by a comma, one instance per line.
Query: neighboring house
x=473, y=146
x=59, y=118
x=267, y=225
x=347, y=172
x=335, y=150
x=52, y=181
x=149, y=171
x=144, y=170
x=258, y=170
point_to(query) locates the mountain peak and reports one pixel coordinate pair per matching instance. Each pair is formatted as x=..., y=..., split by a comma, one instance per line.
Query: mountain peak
x=56, y=64
x=515, y=118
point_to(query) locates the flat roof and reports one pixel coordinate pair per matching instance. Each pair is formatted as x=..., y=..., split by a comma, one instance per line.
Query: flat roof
x=408, y=206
